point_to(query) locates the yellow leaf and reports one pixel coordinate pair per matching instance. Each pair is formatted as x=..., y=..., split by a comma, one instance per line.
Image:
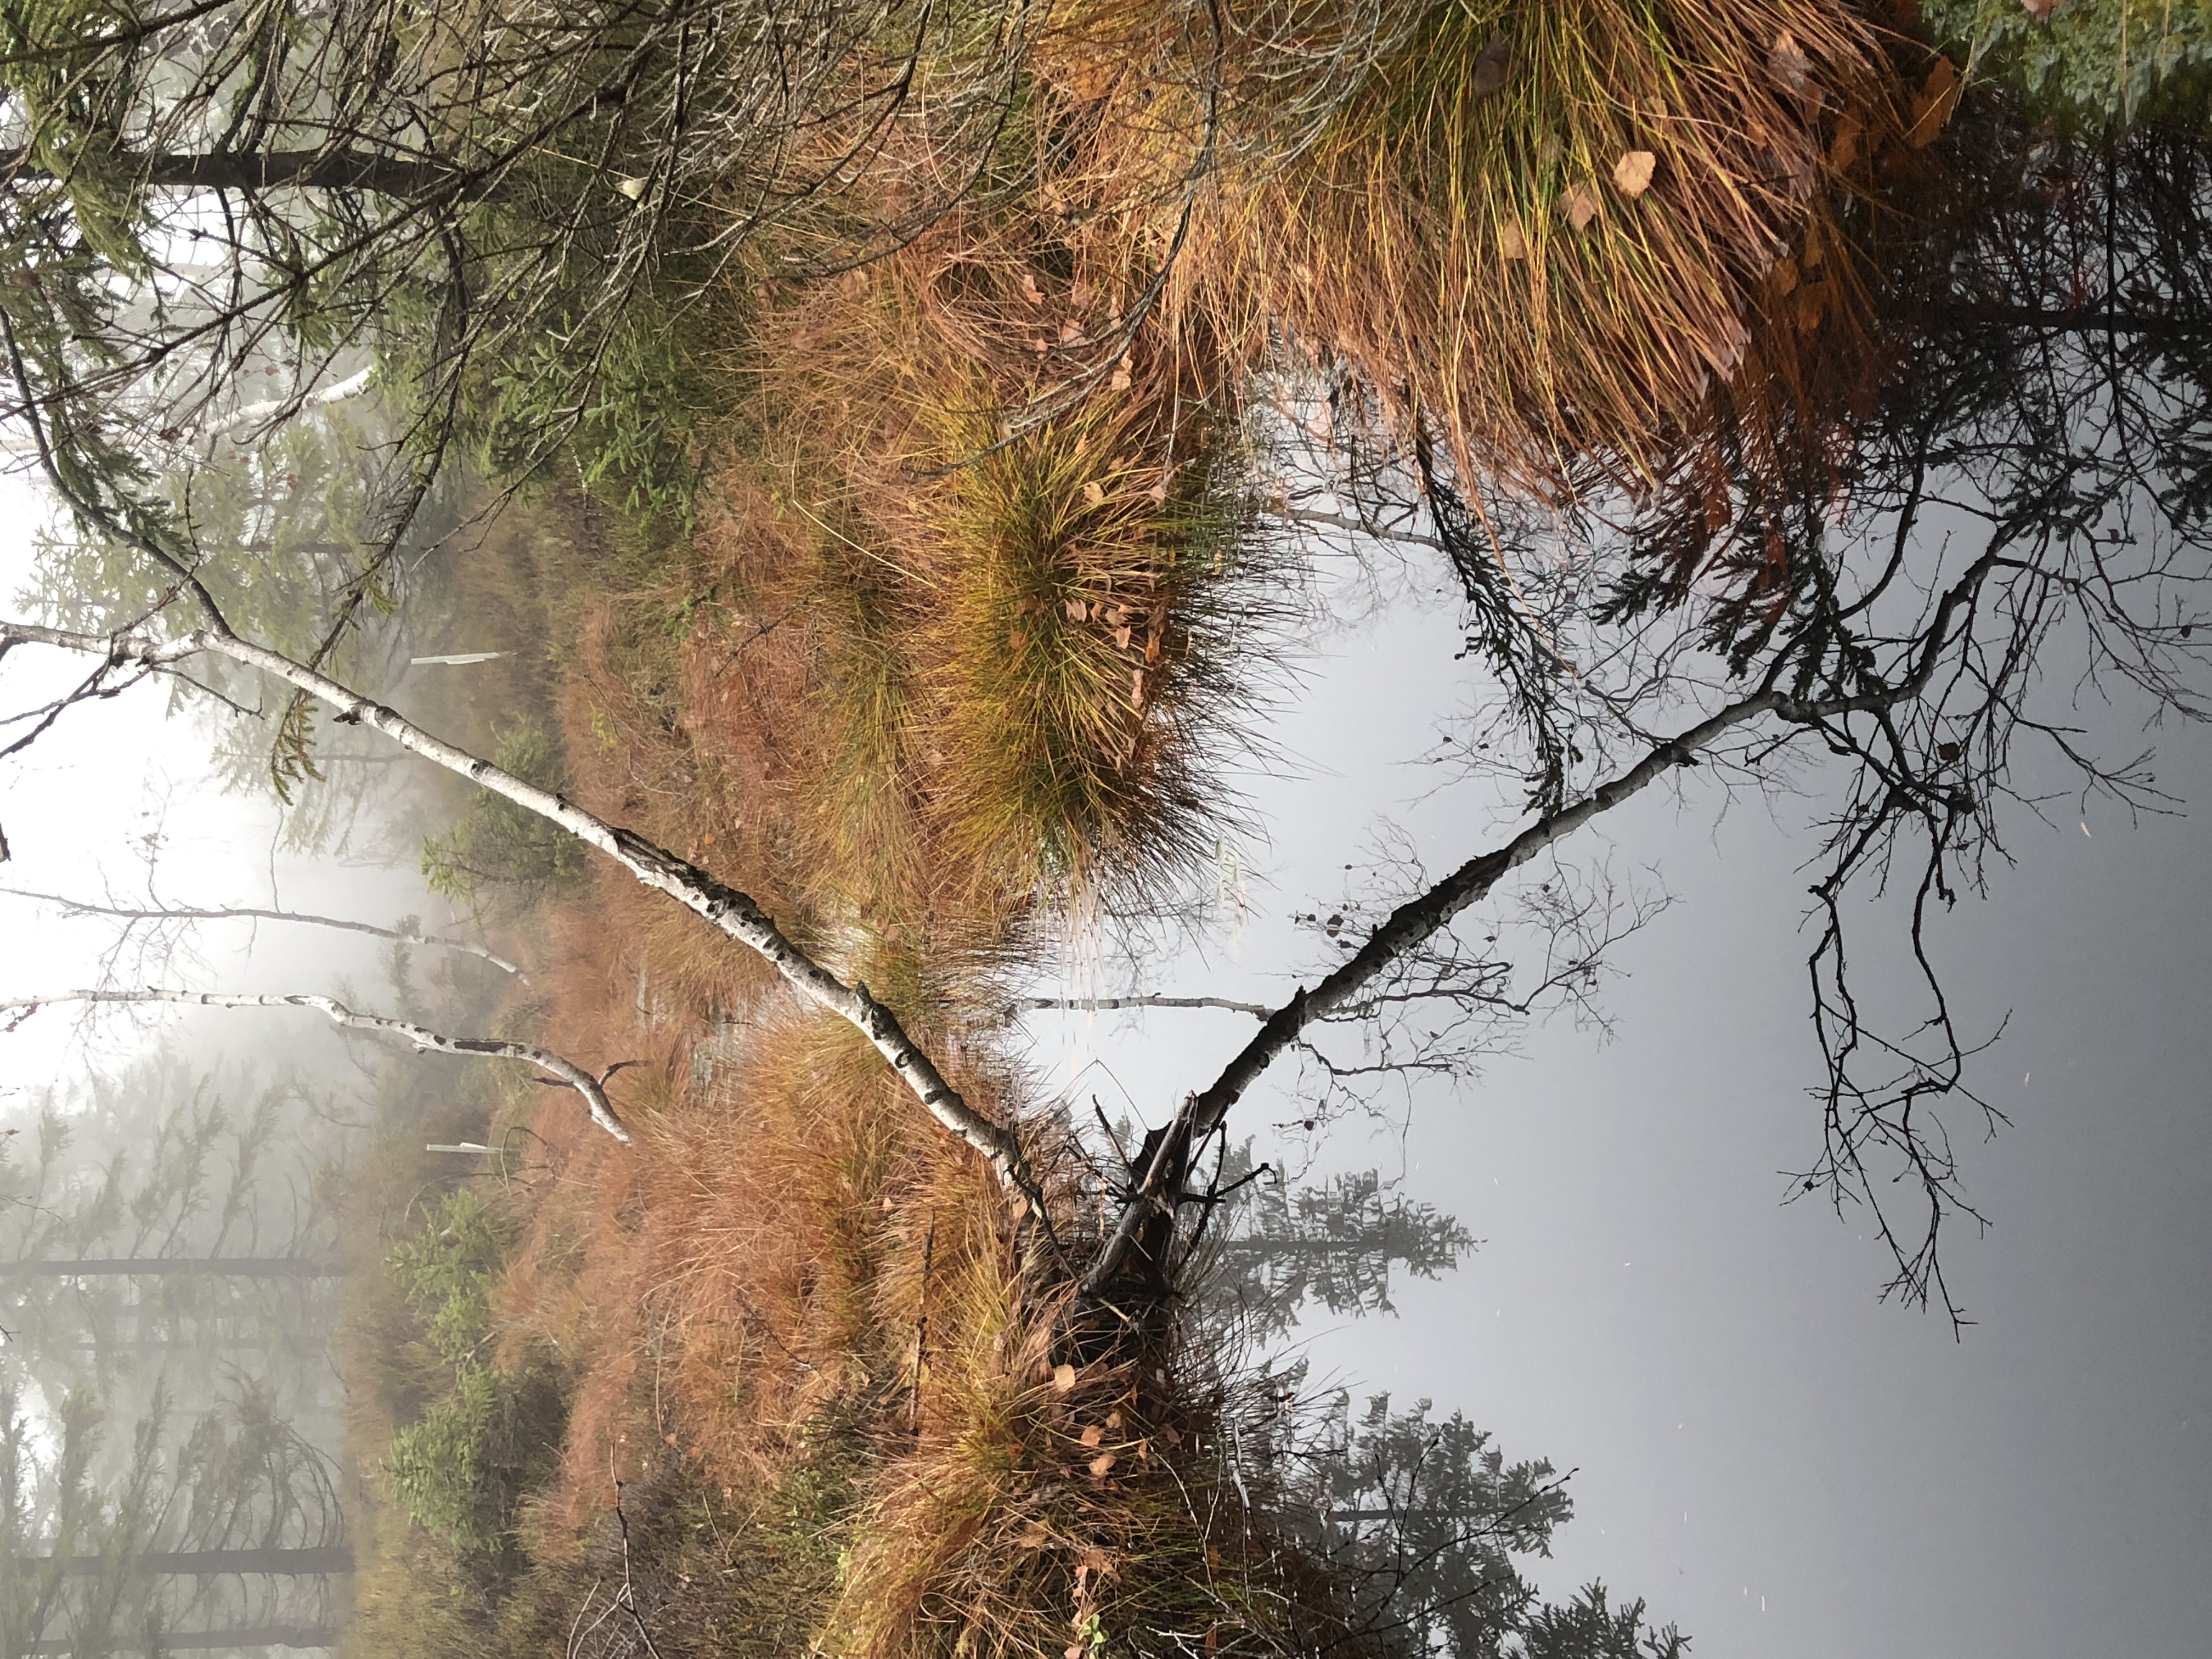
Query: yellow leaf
x=1632, y=173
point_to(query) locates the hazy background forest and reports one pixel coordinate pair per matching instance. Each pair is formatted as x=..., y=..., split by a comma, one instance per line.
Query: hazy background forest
x=1086, y=516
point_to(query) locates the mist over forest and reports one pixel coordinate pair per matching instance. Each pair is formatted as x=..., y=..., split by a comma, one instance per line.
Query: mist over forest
x=895, y=832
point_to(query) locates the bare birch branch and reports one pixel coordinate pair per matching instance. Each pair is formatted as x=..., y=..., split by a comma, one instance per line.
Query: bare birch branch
x=72, y=906
x=1149, y=999
x=592, y=1089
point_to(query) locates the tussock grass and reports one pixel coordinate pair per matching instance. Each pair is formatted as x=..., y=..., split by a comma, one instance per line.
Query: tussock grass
x=1536, y=227
x=1025, y=670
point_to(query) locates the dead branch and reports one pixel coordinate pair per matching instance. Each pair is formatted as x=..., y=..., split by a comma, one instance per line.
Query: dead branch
x=72, y=908
x=567, y=1070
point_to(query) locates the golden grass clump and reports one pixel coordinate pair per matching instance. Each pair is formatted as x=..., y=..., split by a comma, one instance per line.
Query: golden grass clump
x=1023, y=645
x=1537, y=228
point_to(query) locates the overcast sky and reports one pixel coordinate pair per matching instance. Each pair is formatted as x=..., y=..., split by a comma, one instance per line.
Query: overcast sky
x=1772, y=1458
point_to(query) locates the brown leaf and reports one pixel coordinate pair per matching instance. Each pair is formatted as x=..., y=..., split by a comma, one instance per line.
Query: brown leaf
x=1813, y=304
x=1632, y=173
x=2039, y=9
x=1581, y=204
x=1101, y=1464
x=1017, y=640
x=1136, y=688
x=1092, y=1435
x=1512, y=243
x=1844, y=150
x=1933, y=104
x=1030, y=291
x=1784, y=274
x=1063, y=1377
x=1121, y=637
x=1078, y=611
x=1788, y=67
x=1120, y=381
x=1113, y=1419
x=1095, y=493
x=1034, y=1535
x=1070, y=331
x=1947, y=751
x=1491, y=66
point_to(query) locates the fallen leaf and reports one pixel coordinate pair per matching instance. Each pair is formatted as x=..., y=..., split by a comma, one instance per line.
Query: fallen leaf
x=1070, y=331
x=1788, y=67
x=1101, y=1464
x=1092, y=1435
x=1113, y=1419
x=1078, y=611
x=1784, y=275
x=1512, y=243
x=1813, y=304
x=1063, y=1376
x=1581, y=205
x=1947, y=751
x=1034, y=1535
x=1095, y=493
x=1491, y=65
x=1145, y=1450
x=1120, y=381
x=1029, y=291
x=1933, y=104
x=1136, y=688
x=1121, y=637
x=1015, y=641
x=1632, y=173
x=2039, y=9
x=1845, y=149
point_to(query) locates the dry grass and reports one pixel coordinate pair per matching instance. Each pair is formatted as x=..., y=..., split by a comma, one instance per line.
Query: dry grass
x=1537, y=229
